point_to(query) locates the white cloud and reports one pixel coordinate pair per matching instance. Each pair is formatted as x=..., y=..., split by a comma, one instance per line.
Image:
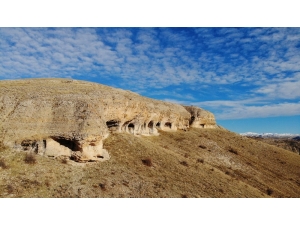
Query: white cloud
x=272, y=110
x=283, y=90
x=224, y=63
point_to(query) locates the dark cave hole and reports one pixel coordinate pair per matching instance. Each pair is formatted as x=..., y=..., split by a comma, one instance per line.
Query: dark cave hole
x=67, y=143
x=168, y=124
x=112, y=125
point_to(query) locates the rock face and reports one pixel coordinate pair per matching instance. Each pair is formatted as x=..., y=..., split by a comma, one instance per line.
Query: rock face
x=60, y=117
x=201, y=118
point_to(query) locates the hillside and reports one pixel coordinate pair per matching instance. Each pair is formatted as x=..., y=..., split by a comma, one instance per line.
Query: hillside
x=67, y=138
x=291, y=144
x=193, y=163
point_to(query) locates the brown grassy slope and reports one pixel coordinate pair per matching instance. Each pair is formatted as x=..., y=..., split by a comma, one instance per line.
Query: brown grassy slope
x=196, y=163
x=285, y=143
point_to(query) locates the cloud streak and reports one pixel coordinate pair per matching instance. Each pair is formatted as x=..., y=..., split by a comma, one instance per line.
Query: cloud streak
x=247, y=71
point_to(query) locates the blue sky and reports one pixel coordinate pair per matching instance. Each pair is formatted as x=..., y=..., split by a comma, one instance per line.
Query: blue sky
x=248, y=77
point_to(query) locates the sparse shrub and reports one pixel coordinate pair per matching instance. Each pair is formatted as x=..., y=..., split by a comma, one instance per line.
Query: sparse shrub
x=47, y=183
x=230, y=149
x=202, y=146
x=269, y=191
x=184, y=163
x=200, y=160
x=3, y=164
x=10, y=188
x=184, y=196
x=125, y=183
x=64, y=161
x=102, y=186
x=147, y=162
x=2, y=147
x=186, y=155
x=30, y=158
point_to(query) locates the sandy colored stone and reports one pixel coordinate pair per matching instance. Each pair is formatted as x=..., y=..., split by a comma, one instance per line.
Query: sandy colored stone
x=201, y=118
x=61, y=117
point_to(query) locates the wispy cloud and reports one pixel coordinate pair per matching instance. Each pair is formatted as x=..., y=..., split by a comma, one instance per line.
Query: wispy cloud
x=225, y=66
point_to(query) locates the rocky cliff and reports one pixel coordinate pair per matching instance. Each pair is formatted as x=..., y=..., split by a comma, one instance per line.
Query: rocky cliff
x=69, y=118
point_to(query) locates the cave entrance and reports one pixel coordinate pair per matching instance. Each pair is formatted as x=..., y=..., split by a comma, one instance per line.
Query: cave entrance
x=112, y=125
x=131, y=128
x=168, y=124
x=150, y=124
x=158, y=124
x=71, y=144
x=192, y=120
x=202, y=125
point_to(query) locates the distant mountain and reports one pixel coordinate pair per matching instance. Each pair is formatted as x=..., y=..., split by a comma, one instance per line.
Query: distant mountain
x=271, y=135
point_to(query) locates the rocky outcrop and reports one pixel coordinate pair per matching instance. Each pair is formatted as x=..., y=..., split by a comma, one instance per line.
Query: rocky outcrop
x=201, y=118
x=60, y=117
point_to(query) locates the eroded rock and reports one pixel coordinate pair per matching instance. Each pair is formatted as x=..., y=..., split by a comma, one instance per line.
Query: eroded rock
x=69, y=118
x=60, y=117
x=201, y=118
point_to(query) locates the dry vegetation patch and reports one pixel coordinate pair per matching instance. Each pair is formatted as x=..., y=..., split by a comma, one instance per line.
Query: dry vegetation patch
x=143, y=167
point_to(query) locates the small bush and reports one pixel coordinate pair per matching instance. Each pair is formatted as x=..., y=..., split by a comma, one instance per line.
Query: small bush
x=47, y=183
x=2, y=147
x=269, y=191
x=200, y=160
x=10, y=189
x=184, y=196
x=102, y=186
x=186, y=155
x=3, y=164
x=64, y=161
x=147, y=162
x=202, y=146
x=184, y=163
x=30, y=158
x=230, y=149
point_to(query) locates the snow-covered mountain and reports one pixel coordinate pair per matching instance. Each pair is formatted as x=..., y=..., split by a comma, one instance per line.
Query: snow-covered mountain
x=274, y=135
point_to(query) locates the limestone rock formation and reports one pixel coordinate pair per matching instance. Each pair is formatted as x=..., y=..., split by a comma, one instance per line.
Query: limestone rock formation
x=201, y=118
x=60, y=117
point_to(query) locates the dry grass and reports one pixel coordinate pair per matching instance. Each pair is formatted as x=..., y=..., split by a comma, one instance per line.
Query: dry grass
x=30, y=158
x=3, y=164
x=250, y=173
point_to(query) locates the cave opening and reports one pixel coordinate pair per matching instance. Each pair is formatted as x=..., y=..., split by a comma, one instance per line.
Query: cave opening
x=131, y=128
x=158, y=124
x=71, y=144
x=112, y=125
x=168, y=124
x=150, y=124
x=202, y=125
x=29, y=145
x=192, y=120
